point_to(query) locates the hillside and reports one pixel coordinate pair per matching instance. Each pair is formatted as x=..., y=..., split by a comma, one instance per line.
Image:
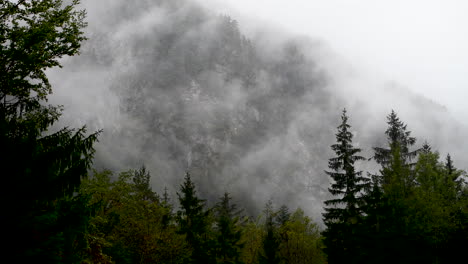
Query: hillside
x=179, y=88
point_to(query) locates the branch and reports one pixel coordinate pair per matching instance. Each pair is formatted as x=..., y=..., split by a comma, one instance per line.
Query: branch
x=16, y=6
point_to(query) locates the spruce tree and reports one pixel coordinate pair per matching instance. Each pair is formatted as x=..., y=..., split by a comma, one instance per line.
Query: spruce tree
x=141, y=183
x=453, y=175
x=397, y=156
x=348, y=184
x=168, y=213
x=343, y=213
x=397, y=178
x=228, y=231
x=193, y=222
x=270, y=241
x=387, y=202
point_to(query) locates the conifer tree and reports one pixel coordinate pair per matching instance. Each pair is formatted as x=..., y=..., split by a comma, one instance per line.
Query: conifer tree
x=229, y=234
x=141, y=182
x=283, y=214
x=193, y=222
x=449, y=165
x=453, y=175
x=168, y=213
x=387, y=202
x=396, y=159
x=344, y=211
x=348, y=184
x=270, y=241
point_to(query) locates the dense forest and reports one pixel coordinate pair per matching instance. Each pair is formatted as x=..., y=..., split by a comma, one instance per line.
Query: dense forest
x=61, y=206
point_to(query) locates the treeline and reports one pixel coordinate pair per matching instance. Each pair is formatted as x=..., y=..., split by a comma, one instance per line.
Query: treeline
x=133, y=224
x=414, y=210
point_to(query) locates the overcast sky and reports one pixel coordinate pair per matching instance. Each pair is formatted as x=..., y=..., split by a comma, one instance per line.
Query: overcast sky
x=421, y=44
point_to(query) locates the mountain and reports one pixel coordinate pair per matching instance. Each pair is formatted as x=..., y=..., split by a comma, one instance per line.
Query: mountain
x=179, y=88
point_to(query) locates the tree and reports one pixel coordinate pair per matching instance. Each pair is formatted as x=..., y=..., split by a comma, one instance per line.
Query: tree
x=193, y=222
x=252, y=238
x=127, y=228
x=343, y=213
x=141, y=181
x=303, y=243
x=43, y=168
x=228, y=231
x=390, y=234
x=282, y=216
x=348, y=184
x=270, y=241
x=166, y=204
x=397, y=157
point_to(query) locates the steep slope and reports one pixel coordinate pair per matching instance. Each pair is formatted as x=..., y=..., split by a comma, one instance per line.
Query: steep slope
x=178, y=89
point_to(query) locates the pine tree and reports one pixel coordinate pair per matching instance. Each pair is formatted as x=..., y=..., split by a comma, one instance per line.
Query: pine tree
x=193, y=222
x=343, y=213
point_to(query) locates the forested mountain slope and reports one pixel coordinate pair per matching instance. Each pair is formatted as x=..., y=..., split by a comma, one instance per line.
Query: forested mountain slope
x=179, y=88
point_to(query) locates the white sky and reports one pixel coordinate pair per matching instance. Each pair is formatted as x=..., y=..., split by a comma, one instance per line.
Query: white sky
x=421, y=44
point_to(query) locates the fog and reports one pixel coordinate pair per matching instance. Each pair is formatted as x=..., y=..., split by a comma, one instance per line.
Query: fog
x=422, y=43
x=243, y=105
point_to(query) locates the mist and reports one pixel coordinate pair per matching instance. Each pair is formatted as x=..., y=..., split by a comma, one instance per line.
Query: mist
x=244, y=107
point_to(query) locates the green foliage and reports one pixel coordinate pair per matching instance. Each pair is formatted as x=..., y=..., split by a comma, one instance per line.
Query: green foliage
x=194, y=223
x=344, y=212
x=34, y=35
x=271, y=240
x=127, y=228
x=42, y=168
x=348, y=184
x=301, y=241
x=413, y=212
x=396, y=159
x=398, y=138
x=252, y=238
x=228, y=231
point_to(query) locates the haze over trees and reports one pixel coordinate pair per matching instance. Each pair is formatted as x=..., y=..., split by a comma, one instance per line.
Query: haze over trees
x=58, y=209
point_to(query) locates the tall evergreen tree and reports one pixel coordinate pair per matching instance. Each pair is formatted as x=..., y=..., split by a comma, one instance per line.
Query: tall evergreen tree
x=194, y=223
x=348, y=184
x=397, y=157
x=141, y=182
x=449, y=165
x=229, y=233
x=168, y=213
x=453, y=175
x=343, y=212
x=387, y=204
x=270, y=241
